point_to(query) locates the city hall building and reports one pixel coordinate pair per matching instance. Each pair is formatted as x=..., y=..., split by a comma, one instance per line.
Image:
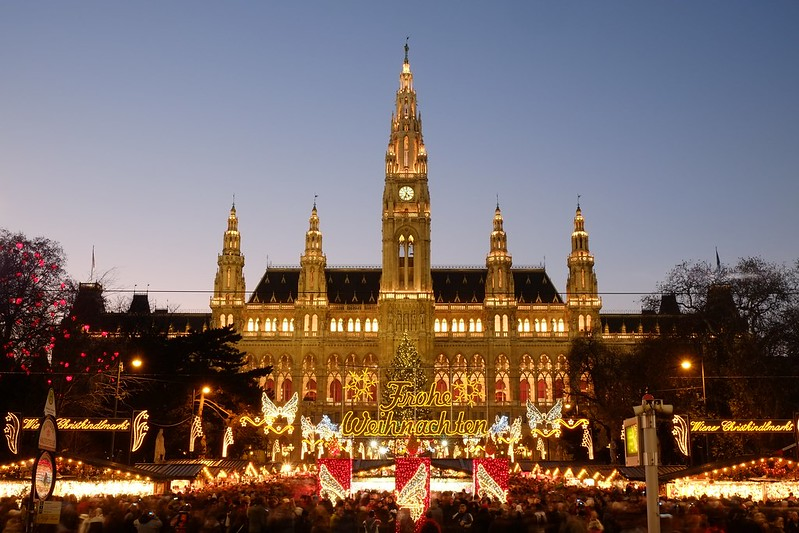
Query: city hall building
x=504, y=330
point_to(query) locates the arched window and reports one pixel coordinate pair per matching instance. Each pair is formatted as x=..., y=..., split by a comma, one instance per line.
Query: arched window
x=558, y=388
x=441, y=385
x=332, y=324
x=504, y=322
x=230, y=320
x=588, y=322
x=285, y=325
x=357, y=324
x=444, y=325
x=497, y=323
x=436, y=326
x=257, y=324
x=335, y=391
x=479, y=325
x=267, y=325
x=314, y=323
x=526, y=325
x=367, y=325
x=222, y=321
x=581, y=323
x=374, y=324
x=286, y=390
x=541, y=393
x=250, y=325
x=519, y=326
x=471, y=325
x=461, y=326
x=341, y=324
x=544, y=325
x=310, y=391
x=524, y=391
x=454, y=325
x=306, y=323
x=499, y=391
x=554, y=325
x=561, y=327
x=350, y=325
x=537, y=325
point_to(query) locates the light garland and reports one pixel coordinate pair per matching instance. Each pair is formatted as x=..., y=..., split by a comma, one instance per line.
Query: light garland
x=335, y=478
x=11, y=431
x=490, y=478
x=681, y=434
x=588, y=442
x=227, y=440
x=140, y=429
x=412, y=479
x=196, y=431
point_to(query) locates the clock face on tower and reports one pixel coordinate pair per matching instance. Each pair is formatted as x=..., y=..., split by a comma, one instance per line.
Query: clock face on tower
x=406, y=193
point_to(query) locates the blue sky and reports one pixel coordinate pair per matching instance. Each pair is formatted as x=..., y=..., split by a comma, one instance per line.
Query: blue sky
x=129, y=126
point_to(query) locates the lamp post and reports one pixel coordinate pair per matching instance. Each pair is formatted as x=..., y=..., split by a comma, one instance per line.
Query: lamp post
x=136, y=363
x=687, y=365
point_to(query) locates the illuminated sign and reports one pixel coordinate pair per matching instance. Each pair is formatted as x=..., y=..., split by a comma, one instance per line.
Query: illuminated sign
x=401, y=394
x=81, y=424
x=742, y=426
x=632, y=450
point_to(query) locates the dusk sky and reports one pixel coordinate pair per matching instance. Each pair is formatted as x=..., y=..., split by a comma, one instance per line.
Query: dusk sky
x=130, y=126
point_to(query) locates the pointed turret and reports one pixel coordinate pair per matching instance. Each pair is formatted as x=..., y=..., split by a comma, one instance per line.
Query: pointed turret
x=582, y=292
x=499, y=280
x=313, y=285
x=227, y=302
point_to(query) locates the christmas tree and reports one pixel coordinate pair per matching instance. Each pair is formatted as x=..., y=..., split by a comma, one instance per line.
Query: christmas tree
x=407, y=366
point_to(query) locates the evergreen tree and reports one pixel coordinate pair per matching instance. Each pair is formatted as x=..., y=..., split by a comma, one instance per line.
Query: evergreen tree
x=407, y=366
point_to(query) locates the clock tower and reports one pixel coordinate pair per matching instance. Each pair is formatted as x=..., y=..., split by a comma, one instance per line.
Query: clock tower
x=406, y=302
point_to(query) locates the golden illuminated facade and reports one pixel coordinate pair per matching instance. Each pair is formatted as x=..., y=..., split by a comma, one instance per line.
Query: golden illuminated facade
x=505, y=328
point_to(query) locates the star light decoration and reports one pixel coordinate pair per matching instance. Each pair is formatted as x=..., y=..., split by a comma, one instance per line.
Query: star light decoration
x=361, y=385
x=469, y=391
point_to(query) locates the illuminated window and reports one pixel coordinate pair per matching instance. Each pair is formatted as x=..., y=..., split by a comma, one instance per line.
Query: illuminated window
x=250, y=325
x=341, y=324
x=257, y=324
x=222, y=321
x=581, y=323
x=543, y=326
x=357, y=324
x=436, y=326
x=541, y=393
x=561, y=327
x=524, y=391
x=374, y=324
x=367, y=325
x=332, y=324
x=479, y=325
x=497, y=323
x=499, y=391
x=504, y=322
x=350, y=325
x=461, y=325
x=558, y=388
x=588, y=322
x=314, y=323
x=335, y=391
x=310, y=391
x=230, y=320
x=286, y=390
x=444, y=326
x=307, y=323
x=471, y=325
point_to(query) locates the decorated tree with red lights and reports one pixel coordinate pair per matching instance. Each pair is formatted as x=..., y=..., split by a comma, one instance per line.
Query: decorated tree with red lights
x=35, y=296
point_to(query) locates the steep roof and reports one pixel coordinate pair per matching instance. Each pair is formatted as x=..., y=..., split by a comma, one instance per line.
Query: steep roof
x=361, y=285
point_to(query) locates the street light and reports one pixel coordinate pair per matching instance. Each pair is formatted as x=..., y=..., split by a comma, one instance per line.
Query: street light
x=135, y=363
x=686, y=364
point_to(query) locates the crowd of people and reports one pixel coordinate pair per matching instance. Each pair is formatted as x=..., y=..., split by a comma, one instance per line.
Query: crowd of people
x=532, y=506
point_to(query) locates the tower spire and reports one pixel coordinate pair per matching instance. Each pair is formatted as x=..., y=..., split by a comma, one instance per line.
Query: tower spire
x=582, y=293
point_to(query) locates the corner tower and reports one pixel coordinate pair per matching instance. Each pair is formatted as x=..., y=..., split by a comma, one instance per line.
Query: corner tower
x=312, y=301
x=582, y=292
x=406, y=287
x=227, y=303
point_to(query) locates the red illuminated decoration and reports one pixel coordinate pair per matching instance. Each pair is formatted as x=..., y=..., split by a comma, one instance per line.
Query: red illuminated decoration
x=412, y=482
x=491, y=478
x=335, y=478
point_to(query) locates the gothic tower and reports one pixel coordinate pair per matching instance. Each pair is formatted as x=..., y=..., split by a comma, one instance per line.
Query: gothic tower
x=406, y=287
x=227, y=303
x=582, y=293
x=312, y=301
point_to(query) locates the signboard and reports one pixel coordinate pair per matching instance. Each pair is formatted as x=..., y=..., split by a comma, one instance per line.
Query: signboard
x=632, y=439
x=48, y=512
x=47, y=434
x=81, y=424
x=44, y=475
x=49, y=406
x=742, y=426
x=401, y=394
